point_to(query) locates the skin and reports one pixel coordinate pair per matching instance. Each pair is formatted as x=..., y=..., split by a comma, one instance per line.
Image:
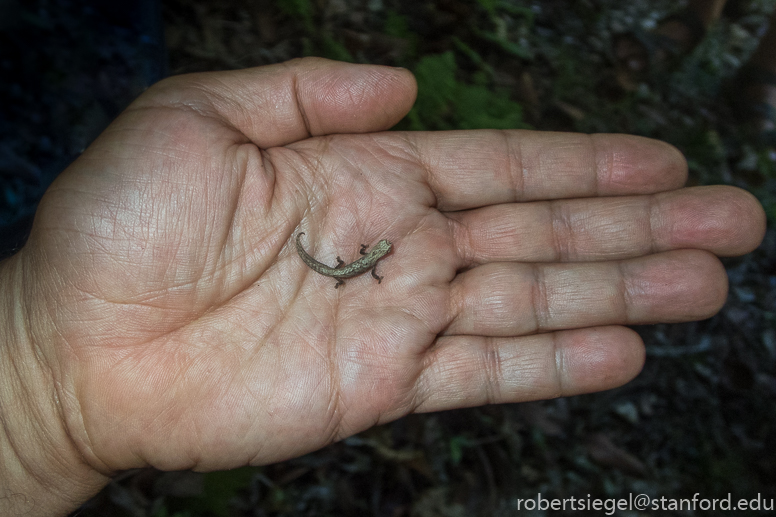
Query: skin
x=159, y=314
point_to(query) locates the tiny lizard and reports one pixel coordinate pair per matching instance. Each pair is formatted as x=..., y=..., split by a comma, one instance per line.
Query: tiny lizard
x=342, y=270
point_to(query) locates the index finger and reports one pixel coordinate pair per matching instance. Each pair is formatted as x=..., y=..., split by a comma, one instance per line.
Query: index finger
x=468, y=169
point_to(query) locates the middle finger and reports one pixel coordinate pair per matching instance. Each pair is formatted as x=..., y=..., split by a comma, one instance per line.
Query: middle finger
x=708, y=218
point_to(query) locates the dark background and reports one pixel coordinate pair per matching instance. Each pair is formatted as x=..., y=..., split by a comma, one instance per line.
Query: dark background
x=701, y=417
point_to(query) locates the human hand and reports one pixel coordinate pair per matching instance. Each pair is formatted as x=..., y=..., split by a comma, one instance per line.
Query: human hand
x=167, y=309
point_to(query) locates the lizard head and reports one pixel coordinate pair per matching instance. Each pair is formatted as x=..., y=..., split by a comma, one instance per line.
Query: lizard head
x=383, y=246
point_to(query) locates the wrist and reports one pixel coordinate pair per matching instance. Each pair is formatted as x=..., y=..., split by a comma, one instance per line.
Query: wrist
x=42, y=472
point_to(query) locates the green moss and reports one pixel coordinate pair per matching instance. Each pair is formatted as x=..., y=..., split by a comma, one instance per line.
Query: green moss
x=446, y=103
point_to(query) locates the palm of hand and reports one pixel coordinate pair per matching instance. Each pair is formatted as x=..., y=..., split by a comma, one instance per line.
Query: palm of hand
x=210, y=323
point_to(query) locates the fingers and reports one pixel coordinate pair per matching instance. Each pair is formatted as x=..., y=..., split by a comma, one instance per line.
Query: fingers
x=279, y=104
x=466, y=371
x=726, y=221
x=478, y=168
x=508, y=299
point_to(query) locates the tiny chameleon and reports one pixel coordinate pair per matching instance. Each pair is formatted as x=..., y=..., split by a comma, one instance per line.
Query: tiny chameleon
x=342, y=270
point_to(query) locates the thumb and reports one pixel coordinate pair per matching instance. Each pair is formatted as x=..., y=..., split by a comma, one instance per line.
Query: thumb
x=280, y=104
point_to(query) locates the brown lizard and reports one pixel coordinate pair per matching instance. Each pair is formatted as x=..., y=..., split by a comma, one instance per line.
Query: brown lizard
x=342, y=270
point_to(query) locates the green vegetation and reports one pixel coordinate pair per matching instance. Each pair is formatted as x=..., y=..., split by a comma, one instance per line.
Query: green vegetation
x=444, y=102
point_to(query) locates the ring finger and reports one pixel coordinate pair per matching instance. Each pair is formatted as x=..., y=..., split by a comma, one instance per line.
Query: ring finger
x=514, y=299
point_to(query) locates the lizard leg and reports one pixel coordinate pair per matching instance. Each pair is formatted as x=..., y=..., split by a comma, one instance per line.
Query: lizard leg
x=363, y=249
x=339, y=283
x=340, y=263
x=374, y=274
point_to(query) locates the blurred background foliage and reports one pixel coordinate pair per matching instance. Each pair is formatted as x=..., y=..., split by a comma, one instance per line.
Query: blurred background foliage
x=702, y=415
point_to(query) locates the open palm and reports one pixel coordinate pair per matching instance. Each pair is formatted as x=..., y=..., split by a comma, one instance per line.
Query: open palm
x=183, y=331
